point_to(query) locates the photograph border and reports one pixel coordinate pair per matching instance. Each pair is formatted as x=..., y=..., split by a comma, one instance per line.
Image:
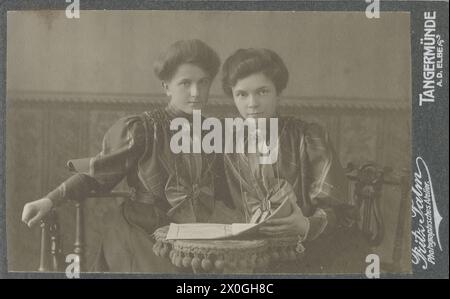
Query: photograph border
x=429, y=122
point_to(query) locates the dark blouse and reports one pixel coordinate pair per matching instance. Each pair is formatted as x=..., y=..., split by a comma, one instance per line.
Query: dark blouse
x=307, y=167
x=182, y=187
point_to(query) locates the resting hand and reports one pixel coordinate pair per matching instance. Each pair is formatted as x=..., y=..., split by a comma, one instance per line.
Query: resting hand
x=34, y=211
x=294, y=224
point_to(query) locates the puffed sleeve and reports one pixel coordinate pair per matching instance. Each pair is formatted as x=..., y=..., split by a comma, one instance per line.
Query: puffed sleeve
x=326, y=180
x=122, y=146
x=328, y=183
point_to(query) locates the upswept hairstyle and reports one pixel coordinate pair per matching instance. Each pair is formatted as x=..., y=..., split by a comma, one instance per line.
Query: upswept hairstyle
x=245, y=62
x=186, y=51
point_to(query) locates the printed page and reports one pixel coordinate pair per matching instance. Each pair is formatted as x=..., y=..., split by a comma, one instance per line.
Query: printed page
x=214, y=231
x=200, y=231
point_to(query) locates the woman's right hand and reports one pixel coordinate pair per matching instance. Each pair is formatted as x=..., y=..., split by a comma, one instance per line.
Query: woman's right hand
x=34, y=211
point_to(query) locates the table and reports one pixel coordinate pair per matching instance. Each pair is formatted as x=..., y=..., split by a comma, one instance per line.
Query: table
x=227, y=256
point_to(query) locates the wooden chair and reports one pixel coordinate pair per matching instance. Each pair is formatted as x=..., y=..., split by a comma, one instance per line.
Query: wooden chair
x=366, y=185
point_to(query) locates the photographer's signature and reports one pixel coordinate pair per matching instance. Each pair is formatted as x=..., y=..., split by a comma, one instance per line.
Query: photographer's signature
x=426, y=217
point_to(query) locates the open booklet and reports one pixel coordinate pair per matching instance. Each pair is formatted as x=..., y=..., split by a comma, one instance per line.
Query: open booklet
x=215, y=231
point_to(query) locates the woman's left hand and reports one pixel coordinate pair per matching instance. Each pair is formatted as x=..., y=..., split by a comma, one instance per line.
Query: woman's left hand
x=294, y=224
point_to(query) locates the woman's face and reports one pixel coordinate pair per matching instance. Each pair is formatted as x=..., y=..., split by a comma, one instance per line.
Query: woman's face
x=189, y=88
x=255, y=96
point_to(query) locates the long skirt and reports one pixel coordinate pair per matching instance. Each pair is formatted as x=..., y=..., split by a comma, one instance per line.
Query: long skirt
x=342, y=252
x=127, y=247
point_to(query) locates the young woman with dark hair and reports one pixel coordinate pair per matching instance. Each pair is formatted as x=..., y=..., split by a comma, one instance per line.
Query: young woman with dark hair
x=166, y=187
x=307, y=170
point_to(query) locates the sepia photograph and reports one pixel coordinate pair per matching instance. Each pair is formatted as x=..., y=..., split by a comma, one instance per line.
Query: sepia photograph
x=191, y=142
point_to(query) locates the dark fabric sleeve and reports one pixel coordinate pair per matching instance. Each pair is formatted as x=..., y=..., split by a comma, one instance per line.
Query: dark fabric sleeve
x=328, y=182
x=122, y=146
x=77, y=186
